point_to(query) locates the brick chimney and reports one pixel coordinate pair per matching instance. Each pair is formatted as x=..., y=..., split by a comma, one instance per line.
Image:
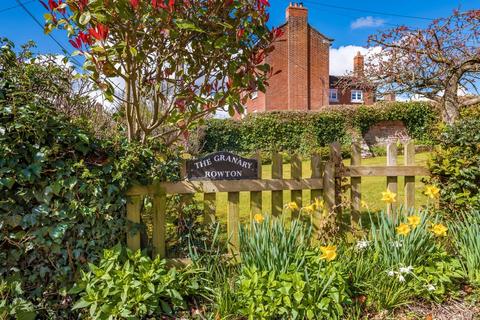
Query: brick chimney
x=297, y=40
x=358, y=64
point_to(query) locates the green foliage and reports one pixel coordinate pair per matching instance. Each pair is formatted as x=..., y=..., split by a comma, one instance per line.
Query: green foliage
x=283, y=275
x=317, y=292
x=455, y=166
x=12, y=303
x=389, y=269
x=128, y=285
x=61, y=195
x=271, y=246
x=397, y=250
x=307, y=132
x=466, y=239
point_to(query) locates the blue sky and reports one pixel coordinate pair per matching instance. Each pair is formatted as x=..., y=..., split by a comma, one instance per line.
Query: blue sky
x=349, y=27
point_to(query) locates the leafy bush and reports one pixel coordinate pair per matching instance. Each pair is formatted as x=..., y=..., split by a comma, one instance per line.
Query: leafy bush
x=314, y=293
x=307, y=132
x=455, y=166
x=61, y=196
x=128, y=285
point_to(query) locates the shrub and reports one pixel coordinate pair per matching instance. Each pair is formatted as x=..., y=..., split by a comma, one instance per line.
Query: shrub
x=61, y=197
x=455, y=166
x=314, y=293
x=308, y=132
x=127, y=284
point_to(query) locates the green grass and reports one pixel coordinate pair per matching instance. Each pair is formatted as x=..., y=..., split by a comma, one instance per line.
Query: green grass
x=371, y=188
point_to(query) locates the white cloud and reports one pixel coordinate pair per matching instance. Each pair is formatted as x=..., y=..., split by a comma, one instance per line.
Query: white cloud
x=367, y=22
x=341, y=59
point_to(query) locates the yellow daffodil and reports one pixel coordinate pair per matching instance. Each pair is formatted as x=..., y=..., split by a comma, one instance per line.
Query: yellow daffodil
x=292, y=206
x=389, y=197
x=364, y=204
x=432, y=192
x=329, y=253
x=414, y=221
x=403, y=229
x=439, y=230
x=258, y=218
x=319, y=204
x=309, y=209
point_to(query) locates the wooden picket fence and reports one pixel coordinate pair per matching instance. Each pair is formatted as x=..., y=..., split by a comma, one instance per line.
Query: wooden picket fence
x=323, y=183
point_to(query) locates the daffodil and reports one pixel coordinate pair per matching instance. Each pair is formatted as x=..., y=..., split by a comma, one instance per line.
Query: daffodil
x=403, y=229
x=292, y=206
x=414, y=221
x=319, y=204
x=389, y=197
x=309, y=209
x=364, y=204
x=329, y=253
x=439, y=230
x=432, y=192
x=258, y=218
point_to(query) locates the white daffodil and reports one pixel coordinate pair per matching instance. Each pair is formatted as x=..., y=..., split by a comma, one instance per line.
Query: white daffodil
x=401, y=278
x=397, y=244
x=431, y=287
x=408, y=269
x=391, y=273
x=362, y=244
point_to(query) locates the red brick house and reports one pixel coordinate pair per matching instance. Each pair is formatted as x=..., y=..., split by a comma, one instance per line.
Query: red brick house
x=302, y=56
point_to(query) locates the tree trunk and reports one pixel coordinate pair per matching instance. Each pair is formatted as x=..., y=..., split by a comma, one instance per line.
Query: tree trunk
x=450, y=103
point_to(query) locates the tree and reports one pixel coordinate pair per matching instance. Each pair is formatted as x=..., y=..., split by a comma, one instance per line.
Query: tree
x=436, y=62
x=180, y=61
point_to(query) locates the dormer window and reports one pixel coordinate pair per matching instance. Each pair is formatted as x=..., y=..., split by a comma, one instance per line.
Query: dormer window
x=333, y=96
x=357, y=96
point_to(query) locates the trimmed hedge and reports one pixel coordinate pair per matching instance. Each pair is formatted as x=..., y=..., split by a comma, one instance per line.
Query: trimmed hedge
x=307, y=132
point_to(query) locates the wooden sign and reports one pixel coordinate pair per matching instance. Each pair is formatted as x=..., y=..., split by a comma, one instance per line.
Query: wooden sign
x=222, y=166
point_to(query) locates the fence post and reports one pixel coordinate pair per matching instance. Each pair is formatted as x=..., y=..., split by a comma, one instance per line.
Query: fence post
x=336, y=158
x=316, y=166
x=329, y=186
x=256, y=196
x=392, y=181
x=296, y=170
x=277, y=173
x=159, y=212
x=134, y=207
x=409, y=153
x=233, y=221
x=209, y=200
x=355, y=190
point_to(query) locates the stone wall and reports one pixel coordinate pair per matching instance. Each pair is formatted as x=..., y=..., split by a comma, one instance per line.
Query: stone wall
x=386, y=131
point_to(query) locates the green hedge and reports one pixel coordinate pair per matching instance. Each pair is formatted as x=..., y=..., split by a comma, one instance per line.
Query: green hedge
x=61, y=200
x=306, y=132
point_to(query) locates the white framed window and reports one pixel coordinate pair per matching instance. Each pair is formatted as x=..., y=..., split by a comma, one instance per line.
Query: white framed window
x=333, y=95
x=254, y=95
x=357, y=96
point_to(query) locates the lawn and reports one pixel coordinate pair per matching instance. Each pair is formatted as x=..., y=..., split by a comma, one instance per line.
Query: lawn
x=371, y=188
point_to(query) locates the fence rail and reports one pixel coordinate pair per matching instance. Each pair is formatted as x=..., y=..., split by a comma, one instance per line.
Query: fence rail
x=324, y=183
